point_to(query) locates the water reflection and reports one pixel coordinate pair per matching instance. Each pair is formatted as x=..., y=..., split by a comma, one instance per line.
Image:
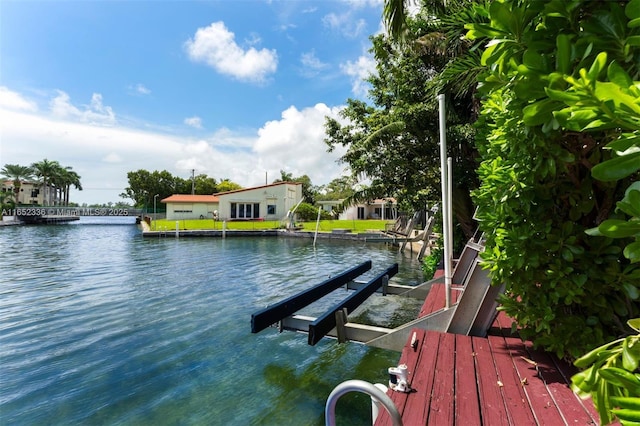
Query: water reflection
x=101, y=326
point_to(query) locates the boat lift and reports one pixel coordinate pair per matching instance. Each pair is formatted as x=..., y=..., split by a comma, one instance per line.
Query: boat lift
x=472, y=312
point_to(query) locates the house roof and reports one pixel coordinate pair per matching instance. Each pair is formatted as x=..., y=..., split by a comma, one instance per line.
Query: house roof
x=258, y=187
x=188, y=198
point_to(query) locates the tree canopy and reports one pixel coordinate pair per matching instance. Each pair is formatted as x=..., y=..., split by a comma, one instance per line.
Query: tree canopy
x=55, y=180
x=309, y=192
x=394, y=143
x=144, y=185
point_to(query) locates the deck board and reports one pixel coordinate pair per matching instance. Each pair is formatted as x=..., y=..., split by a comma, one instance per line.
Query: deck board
x=518, y=409
x=441, y=409
x=419, y=401
x=492, y=407
x=493, y=380
x=467, y=409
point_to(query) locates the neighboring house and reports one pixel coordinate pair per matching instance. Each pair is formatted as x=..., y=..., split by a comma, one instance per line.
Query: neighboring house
x=30, y=192
x=268, y=202
x=385, y=208
x=187, y=206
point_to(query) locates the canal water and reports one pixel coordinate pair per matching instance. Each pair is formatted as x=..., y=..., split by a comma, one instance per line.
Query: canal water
x=100, y=326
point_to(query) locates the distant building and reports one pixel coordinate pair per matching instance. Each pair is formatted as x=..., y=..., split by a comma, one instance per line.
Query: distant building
x=268, y=202
x=383, y=208
x=30, y=192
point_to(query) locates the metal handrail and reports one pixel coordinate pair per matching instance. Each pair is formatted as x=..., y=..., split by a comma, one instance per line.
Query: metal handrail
x=359, y=386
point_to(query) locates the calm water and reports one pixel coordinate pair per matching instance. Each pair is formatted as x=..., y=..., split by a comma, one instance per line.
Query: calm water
x=101, y=326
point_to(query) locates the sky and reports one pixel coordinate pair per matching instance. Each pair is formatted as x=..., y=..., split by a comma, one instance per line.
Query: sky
x=234, y=89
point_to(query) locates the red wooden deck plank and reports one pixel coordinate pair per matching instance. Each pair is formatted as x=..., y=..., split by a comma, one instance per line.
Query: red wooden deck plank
x=549, y=370
x=410, y=358
x=419, y=401
x=467, y=409
x=492, y=407
x=542, y=404
x=441, y=409
x=434, y=301
x=572, y=409
x=539, y=397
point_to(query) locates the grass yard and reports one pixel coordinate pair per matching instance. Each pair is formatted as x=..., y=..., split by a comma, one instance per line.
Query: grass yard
x=356, y=226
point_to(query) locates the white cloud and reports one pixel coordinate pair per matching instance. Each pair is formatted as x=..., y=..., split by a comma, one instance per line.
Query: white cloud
x=112, y=158
x=364, y=3
x=312, y=66
x=359, y=70
x=94, y=113
x=215, y=46
x=295, y=143
x=140, y=88
x=102, y=155
x=15, y=101
x=195, y=122
x=345, y=23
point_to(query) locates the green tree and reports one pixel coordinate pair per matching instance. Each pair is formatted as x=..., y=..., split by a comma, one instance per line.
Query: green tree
x=46, y=171
x=227, y=185
x=205, y=185
x=562, y=77
x=395, y=144
x=7, y=201
x=144, y=185
x=284, y=177
x=16, y=173
x=309, y=192
x=68, y=178
x=338, y=189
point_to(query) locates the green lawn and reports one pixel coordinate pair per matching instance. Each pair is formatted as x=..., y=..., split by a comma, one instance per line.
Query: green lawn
x=325, y=225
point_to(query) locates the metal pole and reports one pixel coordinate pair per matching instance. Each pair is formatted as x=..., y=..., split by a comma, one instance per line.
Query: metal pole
x=317, y=225
x=445, y=201
x=155, y=217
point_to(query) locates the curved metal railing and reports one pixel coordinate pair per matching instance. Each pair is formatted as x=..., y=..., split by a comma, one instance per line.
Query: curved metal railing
x=359, y=386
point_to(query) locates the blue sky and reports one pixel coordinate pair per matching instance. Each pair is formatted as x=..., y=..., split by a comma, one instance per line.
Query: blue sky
x=234, y=88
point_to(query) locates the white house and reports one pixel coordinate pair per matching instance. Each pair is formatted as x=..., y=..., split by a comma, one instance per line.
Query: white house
x=267, y=202
x=384, y=208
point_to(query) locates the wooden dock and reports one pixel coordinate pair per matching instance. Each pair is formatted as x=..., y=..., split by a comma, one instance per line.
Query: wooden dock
x=493, y=380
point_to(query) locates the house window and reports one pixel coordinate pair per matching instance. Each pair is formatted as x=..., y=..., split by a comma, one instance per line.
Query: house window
x=271, y=209
x=360, y=212
x=245, y=210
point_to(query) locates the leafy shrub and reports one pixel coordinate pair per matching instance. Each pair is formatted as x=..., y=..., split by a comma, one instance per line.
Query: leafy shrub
x=554, y=107
x=430, y=263
x=307, y=213
x=611, y=378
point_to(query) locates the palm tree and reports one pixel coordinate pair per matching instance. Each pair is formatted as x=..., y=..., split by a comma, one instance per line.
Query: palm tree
x=46, y=170
x=68, y=177
x=17, y=174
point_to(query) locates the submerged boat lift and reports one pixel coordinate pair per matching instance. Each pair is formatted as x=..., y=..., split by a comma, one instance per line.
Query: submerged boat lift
x=472, y=313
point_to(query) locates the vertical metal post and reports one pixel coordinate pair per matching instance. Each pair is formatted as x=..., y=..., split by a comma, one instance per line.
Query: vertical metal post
x=154, y=211
x=317, y=225
x=445, y=201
